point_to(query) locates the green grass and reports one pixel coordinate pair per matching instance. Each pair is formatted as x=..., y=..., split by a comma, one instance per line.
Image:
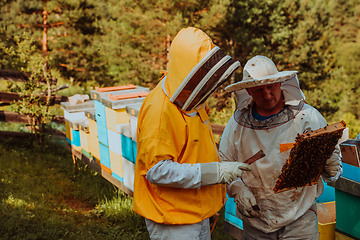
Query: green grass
x=42, y=198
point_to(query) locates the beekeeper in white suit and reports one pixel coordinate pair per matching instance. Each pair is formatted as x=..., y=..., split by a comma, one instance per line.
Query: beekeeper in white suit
x=271, y=111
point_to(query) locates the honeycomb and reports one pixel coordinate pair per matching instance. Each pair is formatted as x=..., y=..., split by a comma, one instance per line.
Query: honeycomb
x=308, y=157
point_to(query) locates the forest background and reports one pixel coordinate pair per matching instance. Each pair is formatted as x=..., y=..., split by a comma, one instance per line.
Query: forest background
x=115, y=42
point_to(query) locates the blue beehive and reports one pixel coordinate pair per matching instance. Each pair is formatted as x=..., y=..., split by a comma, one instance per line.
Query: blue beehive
x=105, y=156
x=328, y=194
x=75, y=137
x=347, y=191
x=103, y=134
x=127, y=143
x=121, y=179
x=230, y=213
x=351, y=172
x=100, y=113
x=101, y=123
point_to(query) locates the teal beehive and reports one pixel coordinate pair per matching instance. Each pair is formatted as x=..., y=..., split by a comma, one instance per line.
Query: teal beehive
x=103, y=134
x=230, y=213
x=105, y=156
x=347, y=213
x=127, y=143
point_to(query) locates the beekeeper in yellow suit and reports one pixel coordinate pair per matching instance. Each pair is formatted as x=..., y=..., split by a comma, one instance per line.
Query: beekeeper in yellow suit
x=178, y=173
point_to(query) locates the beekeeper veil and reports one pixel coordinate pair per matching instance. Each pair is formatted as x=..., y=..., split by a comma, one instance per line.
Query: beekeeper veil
x=259, y=71
x=196, y=69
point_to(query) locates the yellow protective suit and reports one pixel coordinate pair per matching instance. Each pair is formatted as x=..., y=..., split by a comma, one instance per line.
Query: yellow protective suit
x=165, y=132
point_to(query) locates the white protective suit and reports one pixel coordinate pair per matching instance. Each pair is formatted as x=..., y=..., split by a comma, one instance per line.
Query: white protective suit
x=244, y=136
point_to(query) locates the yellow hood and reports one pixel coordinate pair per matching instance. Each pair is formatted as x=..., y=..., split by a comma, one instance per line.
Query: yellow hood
x=196, y=69
x=189, y=46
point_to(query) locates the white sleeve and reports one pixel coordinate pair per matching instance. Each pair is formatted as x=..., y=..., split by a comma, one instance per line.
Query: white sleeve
x=172, y=174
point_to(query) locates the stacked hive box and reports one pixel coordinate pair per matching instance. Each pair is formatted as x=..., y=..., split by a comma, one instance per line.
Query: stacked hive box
x=74, y=115
x=230, y=214
x=327, y=219
x=85, y=138
x=93, y=142
x=128, y=136
x=347, y=193
x=116, y=144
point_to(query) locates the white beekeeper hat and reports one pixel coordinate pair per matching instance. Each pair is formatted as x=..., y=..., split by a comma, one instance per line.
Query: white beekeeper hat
x=258, y=71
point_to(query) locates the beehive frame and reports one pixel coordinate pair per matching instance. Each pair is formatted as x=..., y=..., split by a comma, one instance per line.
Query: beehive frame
x=308, y=156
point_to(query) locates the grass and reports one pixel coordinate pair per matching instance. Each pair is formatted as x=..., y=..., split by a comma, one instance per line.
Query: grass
x=42, y=198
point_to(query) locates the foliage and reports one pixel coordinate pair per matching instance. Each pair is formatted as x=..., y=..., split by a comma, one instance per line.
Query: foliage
x=25, y=58
x=109, y=43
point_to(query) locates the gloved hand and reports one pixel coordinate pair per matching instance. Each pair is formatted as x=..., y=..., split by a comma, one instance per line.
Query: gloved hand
x=230, y=171
x=245, y=200
x=332, y=165
x=225, y=172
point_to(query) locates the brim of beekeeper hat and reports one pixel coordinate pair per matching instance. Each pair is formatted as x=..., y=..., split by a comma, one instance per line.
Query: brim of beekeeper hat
x=249, y=82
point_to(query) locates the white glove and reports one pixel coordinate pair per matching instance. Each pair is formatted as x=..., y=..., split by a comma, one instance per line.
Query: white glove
x=225, y=172
x=230, y=171
x=245, y=200
x=332, y=165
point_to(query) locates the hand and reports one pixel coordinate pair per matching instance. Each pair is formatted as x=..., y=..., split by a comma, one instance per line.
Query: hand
x=230, y=171
x=332, y=165
x=225, y=172
x=245, y=200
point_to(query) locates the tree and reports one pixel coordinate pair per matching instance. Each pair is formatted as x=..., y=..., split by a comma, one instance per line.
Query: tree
x=25, y=58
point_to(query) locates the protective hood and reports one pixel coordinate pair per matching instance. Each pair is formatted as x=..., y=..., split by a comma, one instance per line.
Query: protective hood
x=290, y=88
x=196, y=69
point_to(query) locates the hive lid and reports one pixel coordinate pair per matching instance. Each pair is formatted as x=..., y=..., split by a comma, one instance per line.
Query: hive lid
x=76, y=124
x=99, y=94
x=80, y=107
x=121, y=104
x=133, y=109
x=90, y=114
